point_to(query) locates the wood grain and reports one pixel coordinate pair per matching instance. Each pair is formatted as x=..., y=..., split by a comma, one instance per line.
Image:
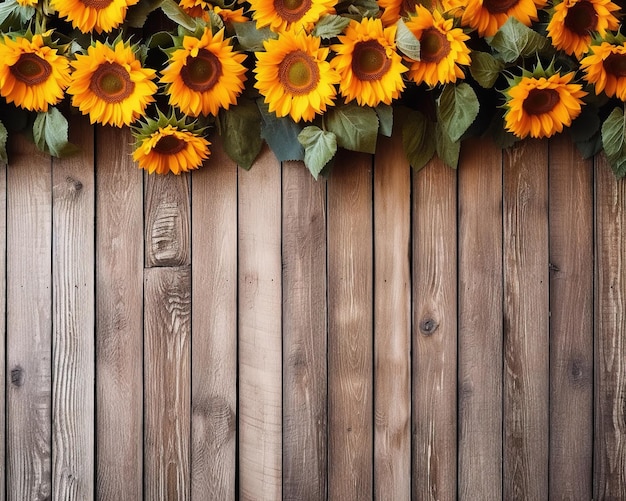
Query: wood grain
x=304, y=335
x=260, y=330
x=480, y=322
x=350, y=328
x=610, y=336
x=119, y=318
x=167, y=389
x=3, y=296
x=571, y=322
x=526, y=331
x=434, y=332
x=214, y=327
x=29, y=323
x=73, y=336
x=392, y=327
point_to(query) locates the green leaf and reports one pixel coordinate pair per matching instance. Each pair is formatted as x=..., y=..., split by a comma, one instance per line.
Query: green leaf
x=447, y=149
x=240, y=128
x=385, y=119
x=407, y=42
x=281, y=134
x=418, y=139
x=161, y=40
x=251, y=38
x=485, y=69
x=458, y=108
x=4, y=134
x=586, y=124
x=614, y=141
x=319, y=148
x=514, y=39
x=501, y=137
x=590, y=147
x=137, y=14
x=356, y=127
x=330, y=26
x=50, y=133
x=173, y=11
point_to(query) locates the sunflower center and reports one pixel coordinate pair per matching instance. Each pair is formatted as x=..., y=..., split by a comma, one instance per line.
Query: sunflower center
x=408, y=6
x=97, y=4
x=434, y=46
x=169, y=145
x=540, y=101
x=499, y=6
x=370, y=61
x=111, y=83
x=31, y=69
x=615, y=64
x=292, y=10
x=202, y=72
x=298, y=73
x=581, y=18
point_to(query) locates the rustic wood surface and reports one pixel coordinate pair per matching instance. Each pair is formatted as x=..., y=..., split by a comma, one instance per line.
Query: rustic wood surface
x=384, y=333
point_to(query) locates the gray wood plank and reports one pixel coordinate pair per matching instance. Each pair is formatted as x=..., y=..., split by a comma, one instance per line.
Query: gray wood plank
x=3, y=295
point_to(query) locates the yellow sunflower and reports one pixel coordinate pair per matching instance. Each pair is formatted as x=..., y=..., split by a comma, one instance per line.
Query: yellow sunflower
x=27, y=3
x=442, y=48
x=93, y=15
x=109, y=84
x=392, y=10
x=370, y=68
x=294, y=76
x=486, y=16
x=283, y=15
x=541, y=107
x=605, y=68
x=204, y=75
x=574, y=21
x=32, y=75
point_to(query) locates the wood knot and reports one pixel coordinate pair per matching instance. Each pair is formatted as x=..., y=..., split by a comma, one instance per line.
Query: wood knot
x=74, y=184
x=428, y=327
x=17, y=376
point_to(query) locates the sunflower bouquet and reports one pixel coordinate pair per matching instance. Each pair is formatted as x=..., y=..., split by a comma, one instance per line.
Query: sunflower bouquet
x=310, y=76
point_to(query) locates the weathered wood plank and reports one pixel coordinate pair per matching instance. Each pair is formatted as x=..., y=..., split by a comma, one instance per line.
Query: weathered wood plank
x=610, y=335
x=526, y=337
x=392, y=328
x=571, y=322
x=73, y=341
x=214, y=328
x=434, y=332
x=119, y=318
x=480, y=322
x=3, y=295
x=29, y=322
x=304, y=335
x=260, y=325
x=167, y=389
x=350, y=328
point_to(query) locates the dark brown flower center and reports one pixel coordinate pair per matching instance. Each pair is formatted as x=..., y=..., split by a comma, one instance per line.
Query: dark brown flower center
x=581, y=18
x=31, y=69
x=202, y=72
x=96, y=4
x=434, y=46
x=540, y=101
x=615, y=64
x=169, y=145
x=370, y=61
x=111, y=83
x=292, y=10
x=408, y=7
x=298, y=73
x=499, y=6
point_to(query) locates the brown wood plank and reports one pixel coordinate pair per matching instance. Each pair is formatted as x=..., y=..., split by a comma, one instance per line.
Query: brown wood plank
x=526, y=339
x=610, y=335
x=260, y=324
x=304, y=335
x=480, y=322
x=214, y=327
x=392, y=314
x=167, y=389
x=350, y=328
x=119, y=318
x=29, y=322
x=434, y=332
x=571, y=322
x=73, y=341
x=3, y=295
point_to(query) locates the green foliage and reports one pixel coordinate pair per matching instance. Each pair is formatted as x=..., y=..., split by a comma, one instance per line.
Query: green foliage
x=319, y=148
x=250, y=38
x=281, y=134
x=330, y=26
x=418, y=139
x=447, y=149
x=485, y=68
x=4, y=135
x=514, y=40
x=406, y=41
x=385, y=119
x=174, y=11
x=614, y=141
x=50, y=132
x=356, y=127
x=458, y=108
x=240, y=128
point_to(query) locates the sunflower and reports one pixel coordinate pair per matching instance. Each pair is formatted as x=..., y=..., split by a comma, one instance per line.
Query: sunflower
x=294, y=76
x=540, y=106
x=169, y=145
x=392, y=10
x=442, y=48
x=109, y=84
x=204, y=75
x=605, y=68
x=282, y=15
x=32, y=74
x=486, y=16
x=93, y=15
x=370, y=68
x=573, y=22
x=27, y=3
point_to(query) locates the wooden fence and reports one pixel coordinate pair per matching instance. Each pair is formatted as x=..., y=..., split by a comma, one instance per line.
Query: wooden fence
x=381, y=334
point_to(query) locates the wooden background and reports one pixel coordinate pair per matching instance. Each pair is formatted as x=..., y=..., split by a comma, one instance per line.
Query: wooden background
x=381, y=334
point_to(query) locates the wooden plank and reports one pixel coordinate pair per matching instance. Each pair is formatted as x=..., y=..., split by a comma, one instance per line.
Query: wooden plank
x=260, y=324
x=214, y=327
x=167, y=390
x=526, y=339
x=392, y=327
x=304, y=335
x=73, y=257
x=610, y=335
x=434, y=332
x=571, y=322
x=29, y=322
x=119, y=318
x=3, y=296
x=480, y=322
x=350, y=328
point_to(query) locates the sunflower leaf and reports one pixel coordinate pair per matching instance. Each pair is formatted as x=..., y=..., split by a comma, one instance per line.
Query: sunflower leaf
x=458, y=108
x=240, y=128
x=586, y=124
x=614, y=141
x=250, y=37
x=447, y=149
x=319, y=148
x=356, y=127
x=174, y=11
x=281, y=134
x=137, y=14
x=4, y=134
x=407, y=42
x=50, y=132
x=385, y=119
x=485, y=68
x=514, y=39
x=418, y=139
x=330, y=26
x=590, y=147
